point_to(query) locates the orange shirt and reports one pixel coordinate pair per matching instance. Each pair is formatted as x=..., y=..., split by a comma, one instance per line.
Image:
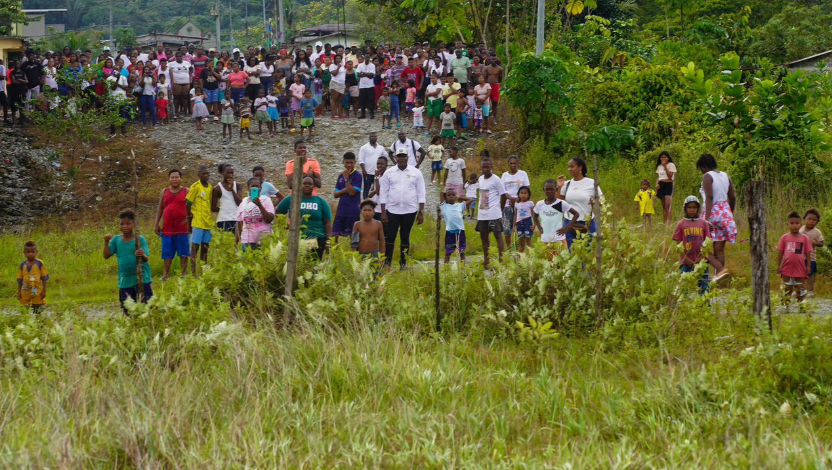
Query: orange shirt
x=310, y=163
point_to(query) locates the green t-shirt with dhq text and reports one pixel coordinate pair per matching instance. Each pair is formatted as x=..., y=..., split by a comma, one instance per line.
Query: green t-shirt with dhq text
x=318, y=211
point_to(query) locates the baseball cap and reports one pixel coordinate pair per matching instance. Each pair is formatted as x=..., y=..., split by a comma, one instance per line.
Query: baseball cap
x=401, y=152
x=236, y=50
x=284, y=51
x=319, y=44
x=105, y=48
x=212, y=50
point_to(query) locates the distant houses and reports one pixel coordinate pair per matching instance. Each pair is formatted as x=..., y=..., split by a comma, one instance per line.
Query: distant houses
x=343, y=34
x=189, y=33
x=811, y=63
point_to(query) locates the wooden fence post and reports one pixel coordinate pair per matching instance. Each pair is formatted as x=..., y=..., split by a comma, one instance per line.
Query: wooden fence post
x=599, y=236
x=436, y=267
x=756, y=203
x=139, y=273
x=293, y=245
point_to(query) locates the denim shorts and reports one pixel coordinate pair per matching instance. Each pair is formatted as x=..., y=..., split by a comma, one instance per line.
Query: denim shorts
x=525, y=229
x=212, y=96
x=200, y=236
x=436, y=166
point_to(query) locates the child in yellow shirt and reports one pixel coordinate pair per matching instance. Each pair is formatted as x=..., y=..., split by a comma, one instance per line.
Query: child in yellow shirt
x=644, y=203
x=31, y=279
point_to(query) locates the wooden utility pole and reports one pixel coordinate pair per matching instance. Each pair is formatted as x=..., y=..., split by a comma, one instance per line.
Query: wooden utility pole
x=293, y=246
x=436, y=268
x=139, y=274
x=599, y=235
x=756, y=203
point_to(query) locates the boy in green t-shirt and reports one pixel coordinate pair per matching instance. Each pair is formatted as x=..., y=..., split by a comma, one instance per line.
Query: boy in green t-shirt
x=124, y=249
x=199, y=216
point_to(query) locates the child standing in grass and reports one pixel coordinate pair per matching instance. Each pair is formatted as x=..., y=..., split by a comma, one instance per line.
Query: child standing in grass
x=548, y=217
x=199, y=215
x=453, y=211
x=644, y=204
x=793, y=260
x=31, y=279
x=810, y=220
x=471, y=188
x=523, y=217
x=124, y=249
x=692, y=232
x=368, y=234
x=348, y=192
x=172, y=223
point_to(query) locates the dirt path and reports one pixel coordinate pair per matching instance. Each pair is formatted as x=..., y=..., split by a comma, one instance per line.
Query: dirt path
x=181, y=146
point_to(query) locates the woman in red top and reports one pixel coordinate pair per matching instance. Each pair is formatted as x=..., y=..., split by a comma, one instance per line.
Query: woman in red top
x=174, y=228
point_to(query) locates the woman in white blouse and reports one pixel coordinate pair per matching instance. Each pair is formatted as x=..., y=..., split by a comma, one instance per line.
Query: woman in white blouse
x=666, y=171
x=579, y=192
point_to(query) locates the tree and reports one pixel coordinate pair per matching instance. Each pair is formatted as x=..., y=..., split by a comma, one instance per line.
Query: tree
x=124, y=37
x=11, y=13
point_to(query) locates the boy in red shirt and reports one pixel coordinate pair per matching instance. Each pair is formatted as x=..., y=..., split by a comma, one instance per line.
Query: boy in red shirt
x=692, y=231
x=792, y=259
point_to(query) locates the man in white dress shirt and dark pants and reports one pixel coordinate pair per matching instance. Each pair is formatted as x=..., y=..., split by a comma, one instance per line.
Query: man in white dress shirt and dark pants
x=402, y=201
x=367, y=158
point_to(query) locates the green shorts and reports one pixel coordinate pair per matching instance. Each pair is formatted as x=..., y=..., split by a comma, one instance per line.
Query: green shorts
x=306, y=123
x=435, y=107
x=228, y=119
x=447, y=133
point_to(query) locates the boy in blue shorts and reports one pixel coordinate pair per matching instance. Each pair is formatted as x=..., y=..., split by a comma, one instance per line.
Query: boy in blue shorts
x=198, y=203
x=172, y=223
x=453, y=211
x=348, y=193
x=124, y=249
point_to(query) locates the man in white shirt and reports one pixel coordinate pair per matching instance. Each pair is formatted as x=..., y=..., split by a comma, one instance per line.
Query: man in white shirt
x=492, y=196
x=513, y=180
x=402, y=202
x=368, y=156
x=319, y=52
x=4, y=102
x=411, y=147
x=366, y=88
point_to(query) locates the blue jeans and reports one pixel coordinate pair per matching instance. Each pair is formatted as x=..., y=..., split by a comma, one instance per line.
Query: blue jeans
x=147, y=103
x=266, y=84
x=237, y=95
x=703, y=281
x=394, y=111
x=571, y=235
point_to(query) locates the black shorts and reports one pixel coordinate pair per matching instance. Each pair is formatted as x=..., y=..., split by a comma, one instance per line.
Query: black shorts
x=3, y=101
x=486, y=226
x=665, y=189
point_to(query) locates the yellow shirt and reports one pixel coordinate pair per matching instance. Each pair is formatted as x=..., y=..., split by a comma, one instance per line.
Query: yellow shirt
x=645, y=201
x=453, y=98
x=31, y=279
x=199, y=198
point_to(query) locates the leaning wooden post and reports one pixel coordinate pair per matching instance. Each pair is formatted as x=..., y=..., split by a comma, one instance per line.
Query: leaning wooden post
x=756, y=203
x=139, y=274
x=599, y=235
x=436, y=268
x=293, y=245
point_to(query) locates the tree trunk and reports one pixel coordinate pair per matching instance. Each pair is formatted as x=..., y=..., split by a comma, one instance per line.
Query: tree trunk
x=294, y=238
x=436, y=268
x=508, y=52
x=599, y=235
x=139, y=273
x=756, y=203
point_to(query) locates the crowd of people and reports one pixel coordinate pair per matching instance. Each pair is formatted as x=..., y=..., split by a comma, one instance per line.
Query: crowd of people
x=447, y=90
x=381, y=194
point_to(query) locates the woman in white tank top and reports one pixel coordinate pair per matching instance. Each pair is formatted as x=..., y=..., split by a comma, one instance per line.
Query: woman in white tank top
x=225, y=199
x=720, y=203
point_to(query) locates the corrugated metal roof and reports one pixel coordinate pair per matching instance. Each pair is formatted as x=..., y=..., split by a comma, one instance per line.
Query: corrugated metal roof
x=811, y=58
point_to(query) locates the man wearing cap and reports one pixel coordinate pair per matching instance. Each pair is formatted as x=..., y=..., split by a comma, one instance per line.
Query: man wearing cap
x=366, y=87
x=411, y=147
x=368, y=156
x=402, y=200
x=318, y=54
x=235, y=57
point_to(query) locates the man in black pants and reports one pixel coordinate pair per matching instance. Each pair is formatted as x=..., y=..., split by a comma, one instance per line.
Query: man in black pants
x=366, y=87
x=402, y=201
x=17, y=89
